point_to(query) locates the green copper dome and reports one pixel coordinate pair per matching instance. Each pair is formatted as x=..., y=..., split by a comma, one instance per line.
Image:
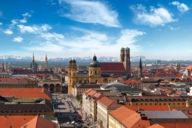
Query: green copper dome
x=94, y=63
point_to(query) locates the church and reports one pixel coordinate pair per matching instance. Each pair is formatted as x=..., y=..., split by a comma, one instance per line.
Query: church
x=99, y=72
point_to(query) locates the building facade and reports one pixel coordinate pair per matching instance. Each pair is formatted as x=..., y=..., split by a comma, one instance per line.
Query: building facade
x=99, y=72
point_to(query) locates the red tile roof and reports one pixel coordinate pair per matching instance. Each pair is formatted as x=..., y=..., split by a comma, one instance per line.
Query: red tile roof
x=176, y=124
x=14, y=80
x=25, y=93
x=105, y=101
x=25, y=121
x=91, y=92
x=88, y=90
x=129, y=118
x=97, y=95
x=156, y=126
x=112, y=67
x=189, y=68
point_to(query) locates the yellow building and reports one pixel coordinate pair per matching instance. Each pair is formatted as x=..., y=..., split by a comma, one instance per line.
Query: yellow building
x=172, y=102
x=99, y=72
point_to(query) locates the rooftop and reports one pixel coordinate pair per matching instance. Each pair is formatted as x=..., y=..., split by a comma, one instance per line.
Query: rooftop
x=156, y=126
x=128, y=118
x=21, y=121
x=189, y=68
x=164, y=114
x=105, y=101
x=25, y=93
x=112, y=67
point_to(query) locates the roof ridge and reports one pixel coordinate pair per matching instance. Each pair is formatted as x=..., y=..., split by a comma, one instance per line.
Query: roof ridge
x=32, y=119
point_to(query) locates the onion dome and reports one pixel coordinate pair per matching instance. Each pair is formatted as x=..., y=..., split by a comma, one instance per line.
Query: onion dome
x=73, y=61
x=94, y=63
x=70, y=61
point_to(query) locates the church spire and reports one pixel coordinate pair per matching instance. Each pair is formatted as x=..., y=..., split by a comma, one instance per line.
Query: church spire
x=3, y=65
x=33, y=57
x=46, y=61
x=140, y=68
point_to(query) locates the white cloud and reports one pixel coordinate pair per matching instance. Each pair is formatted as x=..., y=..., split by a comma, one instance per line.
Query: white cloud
x=23, y=21
x=180, y=6
x=8, y=32
x=35, y=29
x=52, y=36
x=18, y=39
x=86, y=43
x=128, y=37
x=26, y=14
x=25, y=17
x=153, y=17
x=14, y=22
x=94, y=12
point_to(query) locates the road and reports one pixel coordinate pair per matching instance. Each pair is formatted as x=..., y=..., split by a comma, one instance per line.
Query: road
x=67, y=110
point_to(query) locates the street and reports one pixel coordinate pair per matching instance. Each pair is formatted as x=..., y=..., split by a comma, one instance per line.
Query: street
x=67, y=110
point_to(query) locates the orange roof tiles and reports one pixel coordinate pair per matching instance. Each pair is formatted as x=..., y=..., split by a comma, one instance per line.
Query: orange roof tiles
x=189, y=67
x=91, y=93
x=177, y=124
x=25, y=121
x=97, y=95
x=105, y=101
x=132, y=82
x=88, y=90
x=156, y=126
x=25, y=93
x=128, y=118
x=14, y=80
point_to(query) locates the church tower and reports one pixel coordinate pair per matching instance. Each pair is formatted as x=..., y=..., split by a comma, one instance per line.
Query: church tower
x=125, y=59
x=122, y=55
x=94, y=71
x=140, y=72
x=72, y=74
x=34, y=65
x=3, y=67
x=46, y=62
x=178, y=67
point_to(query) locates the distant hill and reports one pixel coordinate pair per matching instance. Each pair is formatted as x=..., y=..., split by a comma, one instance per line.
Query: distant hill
x=25, y=61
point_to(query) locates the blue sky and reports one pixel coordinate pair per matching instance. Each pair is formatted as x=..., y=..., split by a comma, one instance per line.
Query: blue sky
x=157, y=29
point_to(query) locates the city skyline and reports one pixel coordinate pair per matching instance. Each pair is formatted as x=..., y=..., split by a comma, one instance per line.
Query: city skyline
x=67, y=28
